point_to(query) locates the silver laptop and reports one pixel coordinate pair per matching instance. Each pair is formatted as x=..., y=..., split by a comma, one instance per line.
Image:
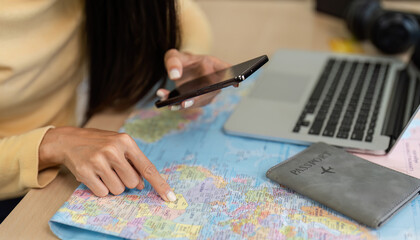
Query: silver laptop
x=357, y=102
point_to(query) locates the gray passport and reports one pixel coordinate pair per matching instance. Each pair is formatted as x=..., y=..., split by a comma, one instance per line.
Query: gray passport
x=357, y=188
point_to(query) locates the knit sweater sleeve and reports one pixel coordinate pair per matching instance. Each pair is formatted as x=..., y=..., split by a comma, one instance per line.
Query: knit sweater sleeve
x=19, y=164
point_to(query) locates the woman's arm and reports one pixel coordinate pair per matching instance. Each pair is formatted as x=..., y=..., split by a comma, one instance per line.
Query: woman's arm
x=105, y=161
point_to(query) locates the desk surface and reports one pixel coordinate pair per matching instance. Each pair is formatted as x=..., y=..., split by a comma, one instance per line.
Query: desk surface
x=242, y=30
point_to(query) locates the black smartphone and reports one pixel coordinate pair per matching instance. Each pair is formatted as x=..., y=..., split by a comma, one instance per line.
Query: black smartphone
x=214, y=81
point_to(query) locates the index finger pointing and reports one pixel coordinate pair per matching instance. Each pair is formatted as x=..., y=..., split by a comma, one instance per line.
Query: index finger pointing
x=150, y=173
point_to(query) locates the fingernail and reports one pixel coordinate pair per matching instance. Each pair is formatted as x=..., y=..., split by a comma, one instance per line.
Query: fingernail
x=175, y=107
x=174, y=74
x=188, y=103
x=171, y=196
x=160, y=93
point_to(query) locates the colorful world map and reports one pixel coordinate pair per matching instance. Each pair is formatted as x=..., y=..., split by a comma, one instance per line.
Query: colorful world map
x=221, y=188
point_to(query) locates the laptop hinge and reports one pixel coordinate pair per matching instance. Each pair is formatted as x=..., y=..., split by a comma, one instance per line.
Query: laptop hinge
x=394, y=120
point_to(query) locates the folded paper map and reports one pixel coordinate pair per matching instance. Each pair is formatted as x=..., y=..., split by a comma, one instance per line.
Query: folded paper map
x=221, y=188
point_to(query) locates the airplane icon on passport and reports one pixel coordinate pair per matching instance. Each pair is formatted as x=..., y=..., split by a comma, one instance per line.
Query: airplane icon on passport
x=327, y=170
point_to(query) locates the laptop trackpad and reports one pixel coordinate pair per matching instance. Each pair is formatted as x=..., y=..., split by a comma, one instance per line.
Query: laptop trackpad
x=281, y=87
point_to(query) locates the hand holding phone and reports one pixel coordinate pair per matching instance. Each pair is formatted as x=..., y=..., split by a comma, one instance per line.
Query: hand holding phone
x=213, y=82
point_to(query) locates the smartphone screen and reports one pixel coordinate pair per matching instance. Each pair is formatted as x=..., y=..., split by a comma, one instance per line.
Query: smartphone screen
x=214, y=81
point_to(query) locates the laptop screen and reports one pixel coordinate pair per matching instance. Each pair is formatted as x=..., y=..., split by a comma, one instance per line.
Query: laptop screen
x=415, y=58
x=413, y=72
x=411, y=75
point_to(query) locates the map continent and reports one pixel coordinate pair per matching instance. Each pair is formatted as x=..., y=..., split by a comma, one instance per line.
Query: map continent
x=151, y=125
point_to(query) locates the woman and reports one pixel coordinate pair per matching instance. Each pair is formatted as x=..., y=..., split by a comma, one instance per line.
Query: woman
x=127, y=48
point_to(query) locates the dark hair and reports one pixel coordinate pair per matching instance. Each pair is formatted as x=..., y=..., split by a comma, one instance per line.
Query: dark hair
x=126, y=43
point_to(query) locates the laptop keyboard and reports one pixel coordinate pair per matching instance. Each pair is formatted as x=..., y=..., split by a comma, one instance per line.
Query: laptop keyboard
x=345, y=101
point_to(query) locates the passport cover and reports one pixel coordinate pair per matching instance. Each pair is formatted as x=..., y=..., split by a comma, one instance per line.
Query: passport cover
x=364, y=191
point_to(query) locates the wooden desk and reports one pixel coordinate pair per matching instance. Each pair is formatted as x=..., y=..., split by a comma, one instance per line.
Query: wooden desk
x=242, y=30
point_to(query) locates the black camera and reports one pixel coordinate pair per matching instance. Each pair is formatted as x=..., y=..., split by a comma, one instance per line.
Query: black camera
x=390, y=31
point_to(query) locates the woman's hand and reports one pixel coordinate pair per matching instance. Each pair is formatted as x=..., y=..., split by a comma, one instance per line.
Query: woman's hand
x=183, y=67
x=104, y=161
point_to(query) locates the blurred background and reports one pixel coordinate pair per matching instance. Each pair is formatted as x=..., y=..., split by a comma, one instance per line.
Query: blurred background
x=243, y=29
